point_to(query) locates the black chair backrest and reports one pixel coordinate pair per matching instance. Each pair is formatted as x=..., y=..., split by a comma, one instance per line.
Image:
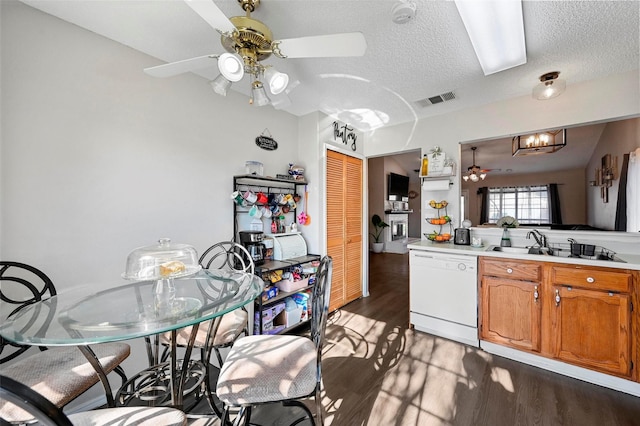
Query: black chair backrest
x=320, y=301
x=227, y=255
x=20, y=285
x=43, y=410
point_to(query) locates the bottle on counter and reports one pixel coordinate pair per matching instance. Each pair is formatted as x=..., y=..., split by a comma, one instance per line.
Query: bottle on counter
x=425, y=166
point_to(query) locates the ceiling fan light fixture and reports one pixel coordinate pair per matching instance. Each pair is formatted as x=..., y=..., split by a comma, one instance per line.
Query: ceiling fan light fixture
x=550, y=86
x=474, y=173
x=220, y=85
x=231, y=67
x=496, y=30
x=276, y=80
x=259, y=95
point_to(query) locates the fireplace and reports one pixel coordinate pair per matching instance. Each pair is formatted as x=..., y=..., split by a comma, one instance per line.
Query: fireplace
x=399, y=229
x=398, y=226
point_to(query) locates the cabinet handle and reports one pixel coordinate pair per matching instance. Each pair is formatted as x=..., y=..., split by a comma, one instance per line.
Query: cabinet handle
x=535, y=294
x=509, y=270
x=557, y=297
x=591, y=280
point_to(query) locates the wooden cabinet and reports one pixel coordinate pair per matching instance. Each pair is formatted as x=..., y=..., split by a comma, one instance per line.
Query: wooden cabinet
x=572, y=313
x=591, y=318
x=344, y=227
x=510, y=303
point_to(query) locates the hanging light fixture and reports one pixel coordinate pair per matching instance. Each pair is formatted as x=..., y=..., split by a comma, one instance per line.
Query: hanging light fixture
x=550, y=86
x=474, y=173
x=220, y=85
x=539, y=143
x=276, y=80
x=231, y=67
x=258, y=94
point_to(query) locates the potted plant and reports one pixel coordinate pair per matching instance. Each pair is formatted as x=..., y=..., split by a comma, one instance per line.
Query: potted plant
x=379, y=224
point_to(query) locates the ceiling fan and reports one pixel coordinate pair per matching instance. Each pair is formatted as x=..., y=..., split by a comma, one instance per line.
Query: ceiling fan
x=475, y=173
x=249, y=41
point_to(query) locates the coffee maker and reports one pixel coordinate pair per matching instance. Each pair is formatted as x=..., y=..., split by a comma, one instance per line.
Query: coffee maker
x=252, y=241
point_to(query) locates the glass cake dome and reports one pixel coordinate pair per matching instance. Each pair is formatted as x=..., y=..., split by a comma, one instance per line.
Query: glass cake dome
x=164, y=260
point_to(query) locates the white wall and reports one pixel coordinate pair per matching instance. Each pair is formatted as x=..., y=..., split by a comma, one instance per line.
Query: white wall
x=97, y=158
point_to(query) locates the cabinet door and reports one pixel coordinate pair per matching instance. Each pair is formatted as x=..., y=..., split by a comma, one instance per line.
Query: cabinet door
x=511, y=313
x=592, y=329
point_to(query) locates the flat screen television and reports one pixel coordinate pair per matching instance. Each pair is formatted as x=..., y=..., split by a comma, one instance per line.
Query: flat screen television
x=397, y=187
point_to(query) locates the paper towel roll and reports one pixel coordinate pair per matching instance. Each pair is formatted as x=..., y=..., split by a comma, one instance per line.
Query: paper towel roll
x=435, y=185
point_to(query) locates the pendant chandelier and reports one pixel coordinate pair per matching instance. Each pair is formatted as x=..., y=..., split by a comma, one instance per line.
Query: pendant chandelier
x=474, y=173
x=539, y=143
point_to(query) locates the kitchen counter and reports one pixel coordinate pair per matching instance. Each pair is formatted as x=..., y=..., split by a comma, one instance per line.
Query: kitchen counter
x=632, y=260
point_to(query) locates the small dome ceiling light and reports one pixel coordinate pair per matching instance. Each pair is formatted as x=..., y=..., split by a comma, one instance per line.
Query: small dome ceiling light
x=550, y=86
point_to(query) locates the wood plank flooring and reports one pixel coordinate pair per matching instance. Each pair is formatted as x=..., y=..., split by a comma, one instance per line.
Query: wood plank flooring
x=377, y=371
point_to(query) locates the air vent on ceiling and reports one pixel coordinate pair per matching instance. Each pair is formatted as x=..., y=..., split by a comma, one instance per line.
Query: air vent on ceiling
x=449, y=96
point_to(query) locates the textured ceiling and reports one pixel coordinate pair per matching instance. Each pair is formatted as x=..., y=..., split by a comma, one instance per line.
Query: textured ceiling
x=404, y=63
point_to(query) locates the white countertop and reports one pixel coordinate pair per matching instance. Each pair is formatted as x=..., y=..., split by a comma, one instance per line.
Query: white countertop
x=632, y=260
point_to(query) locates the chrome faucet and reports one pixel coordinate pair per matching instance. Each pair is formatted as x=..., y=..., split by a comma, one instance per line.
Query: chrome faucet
x=539, y=237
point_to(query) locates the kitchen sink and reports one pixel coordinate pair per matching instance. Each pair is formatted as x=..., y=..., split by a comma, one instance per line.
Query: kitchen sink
x=517, y=250
x=557, y=252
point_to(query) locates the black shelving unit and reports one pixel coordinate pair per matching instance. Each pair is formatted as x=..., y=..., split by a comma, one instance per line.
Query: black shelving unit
x=274, y=265
x=271, y=185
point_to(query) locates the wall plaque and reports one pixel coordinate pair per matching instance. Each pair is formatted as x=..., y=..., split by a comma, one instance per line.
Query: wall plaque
x=266, y=142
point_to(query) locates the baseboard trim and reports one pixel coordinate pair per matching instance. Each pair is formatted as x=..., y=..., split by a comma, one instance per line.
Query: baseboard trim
x=605, y=380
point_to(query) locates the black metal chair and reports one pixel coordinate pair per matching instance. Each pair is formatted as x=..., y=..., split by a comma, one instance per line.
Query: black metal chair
x=59, y=374
x=265, y=369
x=214, y=335
x=18, y=396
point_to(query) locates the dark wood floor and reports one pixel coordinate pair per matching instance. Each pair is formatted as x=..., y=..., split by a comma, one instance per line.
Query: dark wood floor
x=379, y=372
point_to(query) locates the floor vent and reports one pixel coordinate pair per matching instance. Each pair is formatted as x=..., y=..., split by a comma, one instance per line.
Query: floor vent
x=449, y=96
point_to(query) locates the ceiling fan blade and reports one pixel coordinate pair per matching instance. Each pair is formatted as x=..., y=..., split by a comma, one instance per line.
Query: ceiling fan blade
x=179, y=67
x=323, y=46
x=208, y=11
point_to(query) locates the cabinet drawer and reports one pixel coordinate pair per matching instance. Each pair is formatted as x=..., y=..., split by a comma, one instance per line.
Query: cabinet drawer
x=511, y=268
x=591, y=278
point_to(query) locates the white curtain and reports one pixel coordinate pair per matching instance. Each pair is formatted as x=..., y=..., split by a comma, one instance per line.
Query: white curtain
x=633, y=192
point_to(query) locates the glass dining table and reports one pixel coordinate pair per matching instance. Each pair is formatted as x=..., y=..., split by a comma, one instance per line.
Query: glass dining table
x=134, y=310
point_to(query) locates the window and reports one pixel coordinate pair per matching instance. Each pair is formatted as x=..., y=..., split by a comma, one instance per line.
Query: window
x=528, y=204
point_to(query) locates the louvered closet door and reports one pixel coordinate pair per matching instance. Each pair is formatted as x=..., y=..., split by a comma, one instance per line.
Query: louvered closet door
x=344, y=227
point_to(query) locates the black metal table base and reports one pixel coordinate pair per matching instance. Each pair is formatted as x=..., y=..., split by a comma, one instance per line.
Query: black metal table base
x=152, y=386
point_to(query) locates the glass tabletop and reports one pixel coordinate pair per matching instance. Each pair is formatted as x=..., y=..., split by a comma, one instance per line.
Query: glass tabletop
x=131, y=310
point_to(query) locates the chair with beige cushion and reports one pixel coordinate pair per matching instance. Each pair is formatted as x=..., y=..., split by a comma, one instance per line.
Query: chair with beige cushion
x=16, y=396
x=223, y=332
x=59, y=374
x=278, y=368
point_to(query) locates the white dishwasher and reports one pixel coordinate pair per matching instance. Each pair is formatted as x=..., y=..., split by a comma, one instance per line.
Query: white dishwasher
x=443, y=298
